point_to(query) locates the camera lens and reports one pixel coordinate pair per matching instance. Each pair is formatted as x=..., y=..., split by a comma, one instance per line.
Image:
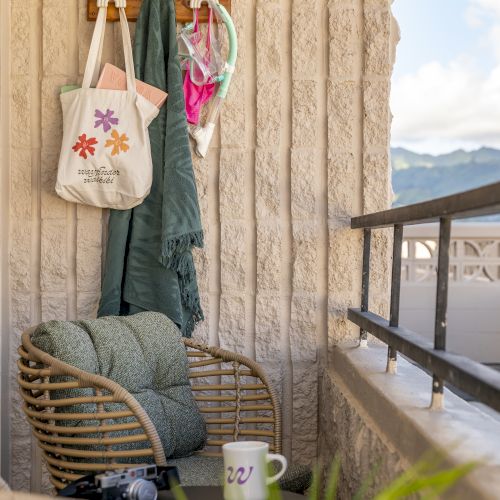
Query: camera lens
x=140, y=489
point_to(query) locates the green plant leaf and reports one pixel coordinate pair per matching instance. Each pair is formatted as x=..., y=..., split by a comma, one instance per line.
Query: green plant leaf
x=333, y=479
x=273, y=489
x=433, y=485
x=443, y=480
x=177, y=491
x=427, y=464
x=314, y=490
x=365, y=485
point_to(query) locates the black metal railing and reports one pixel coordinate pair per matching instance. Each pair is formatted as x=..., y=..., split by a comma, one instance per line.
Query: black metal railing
x=481, y=382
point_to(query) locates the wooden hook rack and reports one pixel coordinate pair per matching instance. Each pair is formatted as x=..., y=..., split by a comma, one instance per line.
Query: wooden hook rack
x=183, y=13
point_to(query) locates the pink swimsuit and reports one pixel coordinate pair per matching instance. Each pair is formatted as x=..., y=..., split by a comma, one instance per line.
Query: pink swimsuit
x=197, y=95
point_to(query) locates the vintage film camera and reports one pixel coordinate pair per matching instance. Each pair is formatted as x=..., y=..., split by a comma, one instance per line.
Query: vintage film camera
x=137, y=483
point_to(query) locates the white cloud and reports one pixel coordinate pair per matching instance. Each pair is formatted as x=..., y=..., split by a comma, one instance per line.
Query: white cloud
x=480, y=11
x=445, y=106
x=485, y=14
x=486, y=6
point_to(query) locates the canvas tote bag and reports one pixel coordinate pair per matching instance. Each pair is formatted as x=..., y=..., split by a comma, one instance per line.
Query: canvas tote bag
x=105, y=156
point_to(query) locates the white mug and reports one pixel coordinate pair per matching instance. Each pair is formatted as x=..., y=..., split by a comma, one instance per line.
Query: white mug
x=246, y=470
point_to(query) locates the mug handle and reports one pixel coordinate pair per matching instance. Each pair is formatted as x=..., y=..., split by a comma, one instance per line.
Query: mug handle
x=284, y=464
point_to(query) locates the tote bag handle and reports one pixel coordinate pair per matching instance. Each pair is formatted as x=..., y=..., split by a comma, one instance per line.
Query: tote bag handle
x=95, y=52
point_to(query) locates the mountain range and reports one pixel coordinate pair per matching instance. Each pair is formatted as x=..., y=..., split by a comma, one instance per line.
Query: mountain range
x=418, y=177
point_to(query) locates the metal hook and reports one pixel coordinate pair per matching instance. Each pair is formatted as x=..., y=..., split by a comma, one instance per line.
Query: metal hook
x=195, y=4
x=120, y=4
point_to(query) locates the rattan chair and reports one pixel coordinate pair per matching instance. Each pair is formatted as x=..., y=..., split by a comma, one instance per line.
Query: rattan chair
x=231, y=390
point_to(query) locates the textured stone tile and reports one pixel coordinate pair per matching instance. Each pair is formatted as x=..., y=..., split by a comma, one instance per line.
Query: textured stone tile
x=20, y=109
x=202, y=265
x=303, y=336
x=201, y=330
x=267, y=194
x=267, y=326
x=269, y=48
x=234, y=114
x=343, y=184
x=19, y=43
x=85, y=30
x=20, y=316
x=115, y=45
x=52, y=112
x=88, y=255
x=232, y=189
x=233, y=256
x=201, y=168
x=233, y=117
x=381, y=4
x=20, y=183
x=54, y=306
x=345, y=430
x=47, y=488
x=344, y=256
x=268, y=256
x=304, y=256
x=56, y=35
x=54, y=264
x=20, y=474
x=305, y=413
x=303, y=196
x=376, y=112
x=305, y=38
x=341, y=120
x=87, y=304
x=268, y=113
x=239, y=14
x=343, y=39
x=340, y=329
x=232, y=323
x=377, y=25
x=376, y=183
x=20, y=428
x=88, y=212
x=304, y=113
x=20, y=255
x=380, y=267
x=275, y=375
x=52, y=206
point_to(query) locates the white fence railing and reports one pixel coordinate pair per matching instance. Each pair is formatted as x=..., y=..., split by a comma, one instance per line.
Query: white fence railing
x=474, y=288
x=474, y=253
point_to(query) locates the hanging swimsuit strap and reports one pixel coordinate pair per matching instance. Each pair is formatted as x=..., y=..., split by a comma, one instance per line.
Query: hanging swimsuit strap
x=93, y=66
x=208, y=42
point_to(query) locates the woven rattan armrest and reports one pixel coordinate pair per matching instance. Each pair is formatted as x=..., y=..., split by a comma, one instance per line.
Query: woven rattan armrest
x=244, y=385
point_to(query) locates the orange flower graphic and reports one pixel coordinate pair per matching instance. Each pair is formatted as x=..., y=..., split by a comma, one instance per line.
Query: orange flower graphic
x=118, y=143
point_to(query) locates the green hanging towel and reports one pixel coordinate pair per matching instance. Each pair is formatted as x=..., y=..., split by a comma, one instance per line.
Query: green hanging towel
x=149, y=263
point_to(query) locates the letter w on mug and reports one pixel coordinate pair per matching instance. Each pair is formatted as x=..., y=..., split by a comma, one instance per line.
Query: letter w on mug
x=246, y=470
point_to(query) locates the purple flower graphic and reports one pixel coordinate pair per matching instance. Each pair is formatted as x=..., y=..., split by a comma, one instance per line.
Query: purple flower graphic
x=105, y=119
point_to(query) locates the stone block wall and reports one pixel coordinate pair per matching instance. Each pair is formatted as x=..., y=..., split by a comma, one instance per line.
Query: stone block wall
x=302, y=146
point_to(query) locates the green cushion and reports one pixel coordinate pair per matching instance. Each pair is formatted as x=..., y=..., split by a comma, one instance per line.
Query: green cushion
x=209, y=471
x=144, y=353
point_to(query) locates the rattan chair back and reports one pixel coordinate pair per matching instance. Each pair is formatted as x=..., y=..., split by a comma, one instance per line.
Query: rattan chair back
x=79, y=435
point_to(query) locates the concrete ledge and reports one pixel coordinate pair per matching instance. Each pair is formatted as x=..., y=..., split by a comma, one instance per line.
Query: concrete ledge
x=396, y=408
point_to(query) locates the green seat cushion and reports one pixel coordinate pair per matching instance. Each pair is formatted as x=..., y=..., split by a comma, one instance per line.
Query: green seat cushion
x=143, y=353
x=198, y=470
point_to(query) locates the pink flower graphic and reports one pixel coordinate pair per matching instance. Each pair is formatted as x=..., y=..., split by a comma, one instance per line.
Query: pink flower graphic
x=105, y=119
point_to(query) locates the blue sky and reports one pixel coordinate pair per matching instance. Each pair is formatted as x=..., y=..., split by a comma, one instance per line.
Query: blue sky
x=446, y=81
